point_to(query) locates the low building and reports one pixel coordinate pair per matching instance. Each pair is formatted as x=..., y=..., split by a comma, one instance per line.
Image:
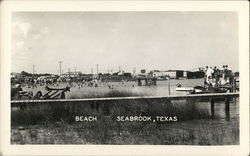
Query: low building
x=71, y=75
x=175, y=74
x=127, y=75
x=185, y=74
x=16, y=75
x=158, y=74
x=143, y=71
x=195, y=74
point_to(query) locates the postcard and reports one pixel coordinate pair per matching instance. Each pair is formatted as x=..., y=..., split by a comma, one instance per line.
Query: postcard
x=124, y=78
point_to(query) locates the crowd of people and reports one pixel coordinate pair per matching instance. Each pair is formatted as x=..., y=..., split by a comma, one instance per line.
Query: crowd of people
x=215, y=76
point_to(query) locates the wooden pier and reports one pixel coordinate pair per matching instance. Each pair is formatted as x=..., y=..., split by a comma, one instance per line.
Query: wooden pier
x=210, y=97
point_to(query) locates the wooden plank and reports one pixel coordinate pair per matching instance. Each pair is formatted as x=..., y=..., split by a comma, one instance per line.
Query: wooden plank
x=212, y=107
x=227, y=109
x=172, y=97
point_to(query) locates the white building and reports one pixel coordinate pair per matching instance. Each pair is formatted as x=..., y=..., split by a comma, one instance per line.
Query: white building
x=70, y=74
x=173, y=74
x=159, y=74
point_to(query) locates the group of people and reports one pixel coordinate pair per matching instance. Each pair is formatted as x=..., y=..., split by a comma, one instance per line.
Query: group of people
x=215, y=76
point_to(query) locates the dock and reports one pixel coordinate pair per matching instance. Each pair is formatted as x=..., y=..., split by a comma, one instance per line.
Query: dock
x=211, y=97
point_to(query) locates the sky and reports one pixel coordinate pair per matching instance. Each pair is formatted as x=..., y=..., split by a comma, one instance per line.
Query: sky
x=142, y=40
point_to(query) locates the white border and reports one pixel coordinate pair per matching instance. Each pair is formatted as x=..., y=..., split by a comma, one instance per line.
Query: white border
x=242, y=7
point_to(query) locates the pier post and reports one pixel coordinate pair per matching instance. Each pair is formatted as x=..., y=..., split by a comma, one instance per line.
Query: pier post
x=169, y=91
x=212, y=107
x=234, y=85
x=227, y=109
x=139, y=82
x=154, y=79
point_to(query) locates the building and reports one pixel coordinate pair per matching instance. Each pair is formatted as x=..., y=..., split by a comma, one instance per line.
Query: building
x=16, y=75
x=159, y=74
x=195, y=74
x=127, y=75
x=185, y=74
x=71, y=75
x=143, y=71
x=175, y=74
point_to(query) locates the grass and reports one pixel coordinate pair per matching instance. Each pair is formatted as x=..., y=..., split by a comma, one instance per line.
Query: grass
x=55, y=123
x=108, y=93
x=107, y=131
x=49, y=113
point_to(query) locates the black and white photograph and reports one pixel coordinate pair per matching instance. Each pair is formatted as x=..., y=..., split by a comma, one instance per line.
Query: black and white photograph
x=125, y=78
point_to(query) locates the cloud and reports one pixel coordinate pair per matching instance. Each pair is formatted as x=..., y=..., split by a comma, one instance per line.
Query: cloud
x=24, y=28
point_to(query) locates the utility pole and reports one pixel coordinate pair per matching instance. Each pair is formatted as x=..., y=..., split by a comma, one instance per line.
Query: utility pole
x=97, y=69
x=91, y=71
x=33, y=72
x=69, y=72
x=60, y=68
x=119, y=68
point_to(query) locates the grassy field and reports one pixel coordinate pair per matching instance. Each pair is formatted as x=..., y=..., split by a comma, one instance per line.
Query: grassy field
x=55, y=124
x=108, y=132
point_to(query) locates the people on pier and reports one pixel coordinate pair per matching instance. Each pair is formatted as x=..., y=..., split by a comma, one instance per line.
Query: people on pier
x=214, y=76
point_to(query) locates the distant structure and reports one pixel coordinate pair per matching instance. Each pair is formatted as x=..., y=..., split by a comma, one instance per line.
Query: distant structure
x=143, y=71
x=175, y=74
x=195, y=74
x=169, y=74
x=70, y=74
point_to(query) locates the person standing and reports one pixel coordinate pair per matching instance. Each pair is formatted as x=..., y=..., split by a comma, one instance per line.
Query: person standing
x=216, y=75
x=226, y=72
x=210, y=71
x=205, y=75
x=224, y=75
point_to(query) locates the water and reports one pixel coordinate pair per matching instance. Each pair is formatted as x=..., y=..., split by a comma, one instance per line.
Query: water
x=161, y=89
